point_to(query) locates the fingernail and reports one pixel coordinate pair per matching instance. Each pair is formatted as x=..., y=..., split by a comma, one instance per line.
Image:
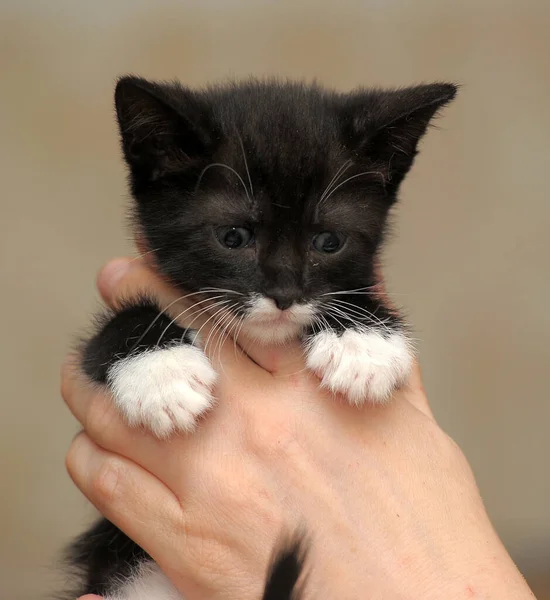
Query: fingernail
x=113, y=272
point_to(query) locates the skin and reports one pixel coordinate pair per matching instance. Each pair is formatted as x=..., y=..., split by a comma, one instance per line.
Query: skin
x=389, y=501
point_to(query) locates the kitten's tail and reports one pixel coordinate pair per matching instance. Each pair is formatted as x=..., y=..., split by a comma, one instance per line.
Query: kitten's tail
x=286, y=569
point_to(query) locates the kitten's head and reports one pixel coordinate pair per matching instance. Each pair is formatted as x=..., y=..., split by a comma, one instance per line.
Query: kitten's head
x=268, y=197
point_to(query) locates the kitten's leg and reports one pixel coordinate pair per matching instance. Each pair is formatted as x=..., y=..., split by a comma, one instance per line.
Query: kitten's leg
x=158, y=376
x=362, y=351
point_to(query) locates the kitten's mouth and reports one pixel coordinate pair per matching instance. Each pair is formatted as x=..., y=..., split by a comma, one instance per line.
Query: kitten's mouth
x=267, y=323
x=284, y=316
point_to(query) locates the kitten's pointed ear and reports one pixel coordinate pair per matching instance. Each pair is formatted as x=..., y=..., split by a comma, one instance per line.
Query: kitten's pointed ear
x=385, y=127
x=163, y=127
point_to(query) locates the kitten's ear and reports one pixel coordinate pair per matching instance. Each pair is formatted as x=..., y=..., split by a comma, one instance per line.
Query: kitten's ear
x=164, y=128
x=386, y=126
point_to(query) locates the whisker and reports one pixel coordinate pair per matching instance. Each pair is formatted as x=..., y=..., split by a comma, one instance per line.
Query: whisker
x=215, y=289
x=246, y=165
x=360, y=311
x=222, y=324
x=210, y=318
x=365, y=293
x=225, y=167
x=217, y=305
x=226, y=333
x=349, y=179
x=236, y=336
x=332, y=311
x=223, y=317
x=324, y=321
x=202, y=310
x=343, y=168
x=142, y=254
x=367, y=287
x=161, y=313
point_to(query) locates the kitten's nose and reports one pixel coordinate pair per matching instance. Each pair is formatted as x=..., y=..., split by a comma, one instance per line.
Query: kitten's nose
x=282, y=301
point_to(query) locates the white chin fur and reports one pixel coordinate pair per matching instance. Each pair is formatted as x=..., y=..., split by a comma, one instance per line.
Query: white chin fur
x=269, y=333
x=364, y=366
x=266, y=324
x=163, y=390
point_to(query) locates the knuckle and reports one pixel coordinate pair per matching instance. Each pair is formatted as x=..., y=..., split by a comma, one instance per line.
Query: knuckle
x=100, y=417
x=104, y=481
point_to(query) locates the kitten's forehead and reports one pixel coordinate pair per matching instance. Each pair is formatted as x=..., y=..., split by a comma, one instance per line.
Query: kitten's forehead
x=290, y=131
x=282, y=176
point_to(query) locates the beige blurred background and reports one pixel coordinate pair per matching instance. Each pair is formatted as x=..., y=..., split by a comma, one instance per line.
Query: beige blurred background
x=470, y=261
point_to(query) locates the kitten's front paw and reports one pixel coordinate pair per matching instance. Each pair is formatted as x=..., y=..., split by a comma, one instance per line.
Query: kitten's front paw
x=163, y=390
x=363, y=366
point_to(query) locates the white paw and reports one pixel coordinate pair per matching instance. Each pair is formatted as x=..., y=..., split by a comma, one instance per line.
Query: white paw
x=363, y=366
x=163, y=390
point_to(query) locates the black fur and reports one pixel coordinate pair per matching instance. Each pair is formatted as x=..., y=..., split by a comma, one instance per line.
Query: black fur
x=283, y=579
x=104, y=555
x=137, y=327
x=100, y=557
x=259, y=155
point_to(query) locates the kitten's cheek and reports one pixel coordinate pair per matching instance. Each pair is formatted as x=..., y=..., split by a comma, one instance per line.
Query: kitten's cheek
x=363, y=366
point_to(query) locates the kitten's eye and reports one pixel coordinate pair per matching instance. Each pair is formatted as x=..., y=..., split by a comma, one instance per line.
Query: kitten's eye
x=234, y=237
x=328, y=242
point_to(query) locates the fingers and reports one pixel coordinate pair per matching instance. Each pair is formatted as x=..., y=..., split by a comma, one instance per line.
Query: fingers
x=196, y=559
x=127, y=495
x=124, y=278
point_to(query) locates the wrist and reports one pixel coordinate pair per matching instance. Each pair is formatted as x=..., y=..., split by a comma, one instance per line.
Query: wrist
x=482, y=569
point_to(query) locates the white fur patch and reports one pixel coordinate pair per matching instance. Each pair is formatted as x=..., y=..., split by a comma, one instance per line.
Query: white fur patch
x=364, y=366
x=163, y=390
x=147, y=583
x=267, y=324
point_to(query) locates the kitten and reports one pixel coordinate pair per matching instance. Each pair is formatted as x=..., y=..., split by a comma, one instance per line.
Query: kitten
x=268, y=201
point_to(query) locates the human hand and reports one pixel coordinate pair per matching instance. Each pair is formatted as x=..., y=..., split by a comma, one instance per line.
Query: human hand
x=388, y=500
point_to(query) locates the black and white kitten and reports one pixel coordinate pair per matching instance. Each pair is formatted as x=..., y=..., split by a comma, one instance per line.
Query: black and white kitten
x=268, y=201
